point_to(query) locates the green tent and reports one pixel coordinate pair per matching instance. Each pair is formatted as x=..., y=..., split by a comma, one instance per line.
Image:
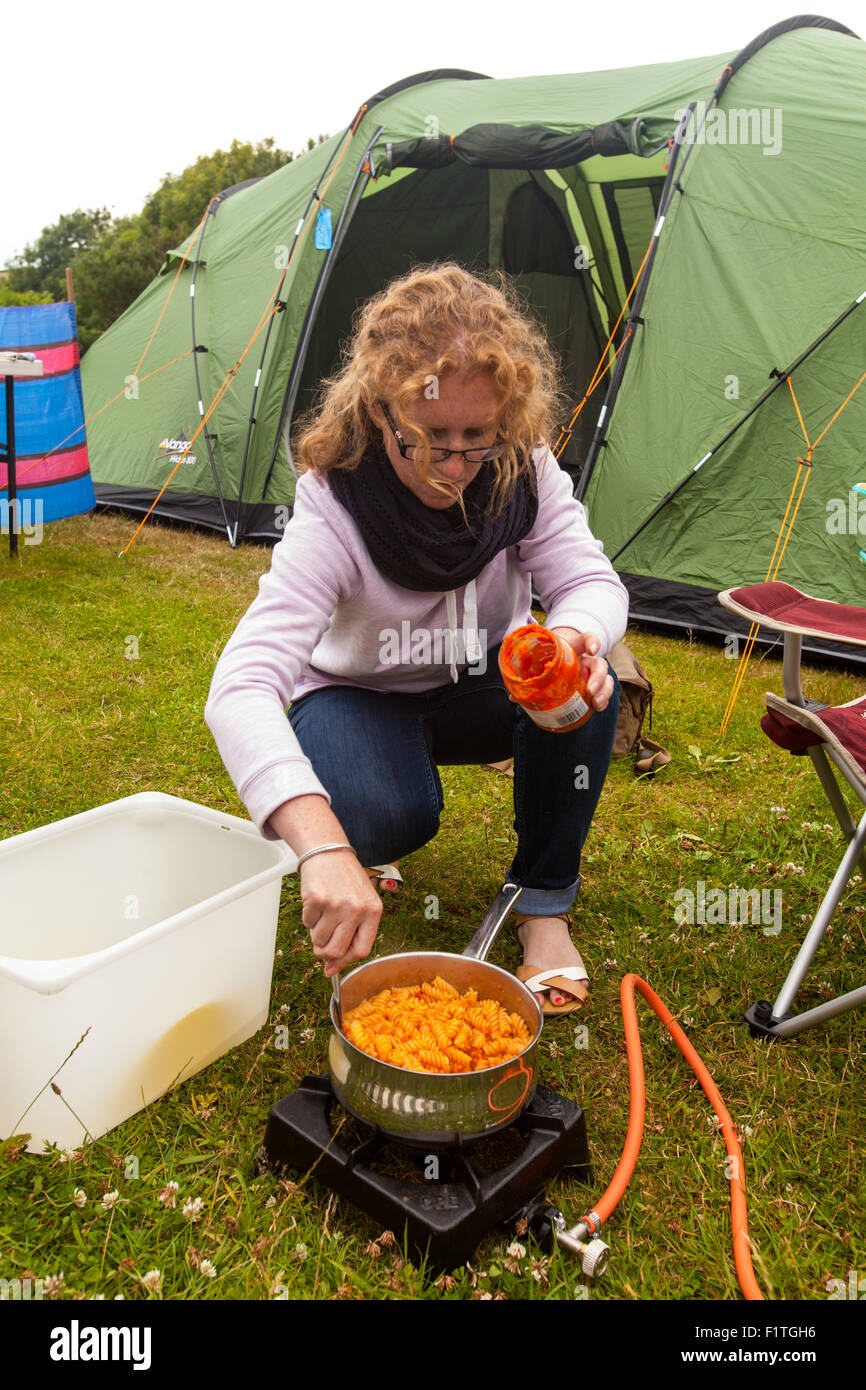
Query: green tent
x=744, y=176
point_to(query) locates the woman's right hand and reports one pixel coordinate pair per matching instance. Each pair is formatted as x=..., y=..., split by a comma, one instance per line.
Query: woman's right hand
x=341, y=908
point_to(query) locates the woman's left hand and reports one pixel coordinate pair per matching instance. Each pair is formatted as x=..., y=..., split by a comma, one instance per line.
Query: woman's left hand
x=600, y=681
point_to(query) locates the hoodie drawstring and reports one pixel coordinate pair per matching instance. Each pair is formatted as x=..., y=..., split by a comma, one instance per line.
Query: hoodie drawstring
x=471, y=641
x=451, y=607
x=470, y=624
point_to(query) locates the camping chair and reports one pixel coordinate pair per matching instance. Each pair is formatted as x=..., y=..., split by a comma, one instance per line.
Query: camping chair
x=828, y=734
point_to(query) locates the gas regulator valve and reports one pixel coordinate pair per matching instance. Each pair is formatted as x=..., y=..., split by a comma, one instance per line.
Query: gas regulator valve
x=581, y=1240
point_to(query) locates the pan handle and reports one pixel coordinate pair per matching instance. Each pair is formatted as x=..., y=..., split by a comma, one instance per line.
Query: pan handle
x=492, y=921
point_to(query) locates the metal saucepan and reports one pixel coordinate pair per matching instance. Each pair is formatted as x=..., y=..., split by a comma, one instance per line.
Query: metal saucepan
x=429, y=1108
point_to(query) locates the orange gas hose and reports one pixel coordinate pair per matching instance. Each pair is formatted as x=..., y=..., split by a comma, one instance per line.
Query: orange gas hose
x=626, y=1165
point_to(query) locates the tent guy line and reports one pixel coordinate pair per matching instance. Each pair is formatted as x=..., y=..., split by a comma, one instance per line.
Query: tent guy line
x=780, y=378
x=773, y=573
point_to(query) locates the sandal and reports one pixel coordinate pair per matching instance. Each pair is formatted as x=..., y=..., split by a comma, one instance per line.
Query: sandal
x=569, y=979
x=386, y=877
x=650, y=757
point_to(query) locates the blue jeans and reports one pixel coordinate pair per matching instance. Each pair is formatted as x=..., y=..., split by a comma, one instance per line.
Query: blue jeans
x=378, y=756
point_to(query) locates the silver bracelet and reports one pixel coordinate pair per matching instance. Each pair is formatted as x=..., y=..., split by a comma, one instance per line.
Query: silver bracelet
x=322, y=849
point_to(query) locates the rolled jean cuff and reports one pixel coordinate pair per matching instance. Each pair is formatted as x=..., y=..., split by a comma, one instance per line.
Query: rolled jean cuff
x=546, y=902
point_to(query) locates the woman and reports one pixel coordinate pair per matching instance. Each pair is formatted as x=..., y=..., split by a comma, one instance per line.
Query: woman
x=426, y=499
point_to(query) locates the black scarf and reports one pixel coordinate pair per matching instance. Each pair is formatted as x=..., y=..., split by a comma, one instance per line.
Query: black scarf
x=428, y=548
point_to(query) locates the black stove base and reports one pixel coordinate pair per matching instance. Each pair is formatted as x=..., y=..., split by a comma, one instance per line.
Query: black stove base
x=459, y=1194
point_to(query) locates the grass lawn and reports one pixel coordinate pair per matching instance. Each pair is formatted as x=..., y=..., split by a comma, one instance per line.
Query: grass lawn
x=83, y=724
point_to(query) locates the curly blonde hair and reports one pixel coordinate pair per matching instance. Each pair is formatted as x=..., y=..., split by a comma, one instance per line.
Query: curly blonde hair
x=438, y=318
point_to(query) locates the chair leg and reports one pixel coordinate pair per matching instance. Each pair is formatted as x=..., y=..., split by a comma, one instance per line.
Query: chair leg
x=821, y=764
x=831, y=787
x=788, y=1027
x=778, y=1020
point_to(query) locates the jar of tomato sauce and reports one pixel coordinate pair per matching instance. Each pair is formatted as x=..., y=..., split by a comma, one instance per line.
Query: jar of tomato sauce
x=545, y=675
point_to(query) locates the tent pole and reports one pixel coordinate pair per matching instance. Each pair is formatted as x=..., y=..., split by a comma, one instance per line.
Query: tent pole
x=313, y=198
x=780, y=378
x=350, y=203
x=196, y=349
x=634, y=315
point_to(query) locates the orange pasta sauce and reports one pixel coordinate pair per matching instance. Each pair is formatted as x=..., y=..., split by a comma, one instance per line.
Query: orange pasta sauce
x=545, y=675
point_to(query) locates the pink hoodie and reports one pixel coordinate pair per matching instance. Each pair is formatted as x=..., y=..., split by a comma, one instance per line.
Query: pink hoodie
x=324, y=615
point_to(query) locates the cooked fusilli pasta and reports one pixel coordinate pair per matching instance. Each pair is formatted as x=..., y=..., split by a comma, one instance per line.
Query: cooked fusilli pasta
x=432, y=1027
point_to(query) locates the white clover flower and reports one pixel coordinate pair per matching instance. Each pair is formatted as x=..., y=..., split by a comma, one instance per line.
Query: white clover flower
x=79, y=1197
x=209, y=1269
x=192, y=1208
x=271, y=1202
x=53, y=1285
x=300, y=1252
x=307, y=1035
x=168, y=1194
x=152, y=1280
x=109, y=1200
x=516, y=1250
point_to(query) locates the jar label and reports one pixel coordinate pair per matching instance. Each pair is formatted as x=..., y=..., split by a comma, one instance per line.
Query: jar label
x=573, y=709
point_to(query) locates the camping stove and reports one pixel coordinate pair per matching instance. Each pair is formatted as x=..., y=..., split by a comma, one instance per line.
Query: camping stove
x=445, y=1200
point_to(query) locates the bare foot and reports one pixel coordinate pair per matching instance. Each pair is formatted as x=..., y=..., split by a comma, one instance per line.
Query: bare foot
x=547, y=944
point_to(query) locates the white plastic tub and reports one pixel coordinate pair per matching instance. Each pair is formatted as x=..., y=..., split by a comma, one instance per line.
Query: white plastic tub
x=150, y=922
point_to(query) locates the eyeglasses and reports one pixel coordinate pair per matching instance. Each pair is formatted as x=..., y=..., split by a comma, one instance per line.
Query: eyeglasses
x=485, y=453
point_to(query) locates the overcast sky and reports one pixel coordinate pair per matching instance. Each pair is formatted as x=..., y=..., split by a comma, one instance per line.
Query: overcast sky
x=101, y=100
